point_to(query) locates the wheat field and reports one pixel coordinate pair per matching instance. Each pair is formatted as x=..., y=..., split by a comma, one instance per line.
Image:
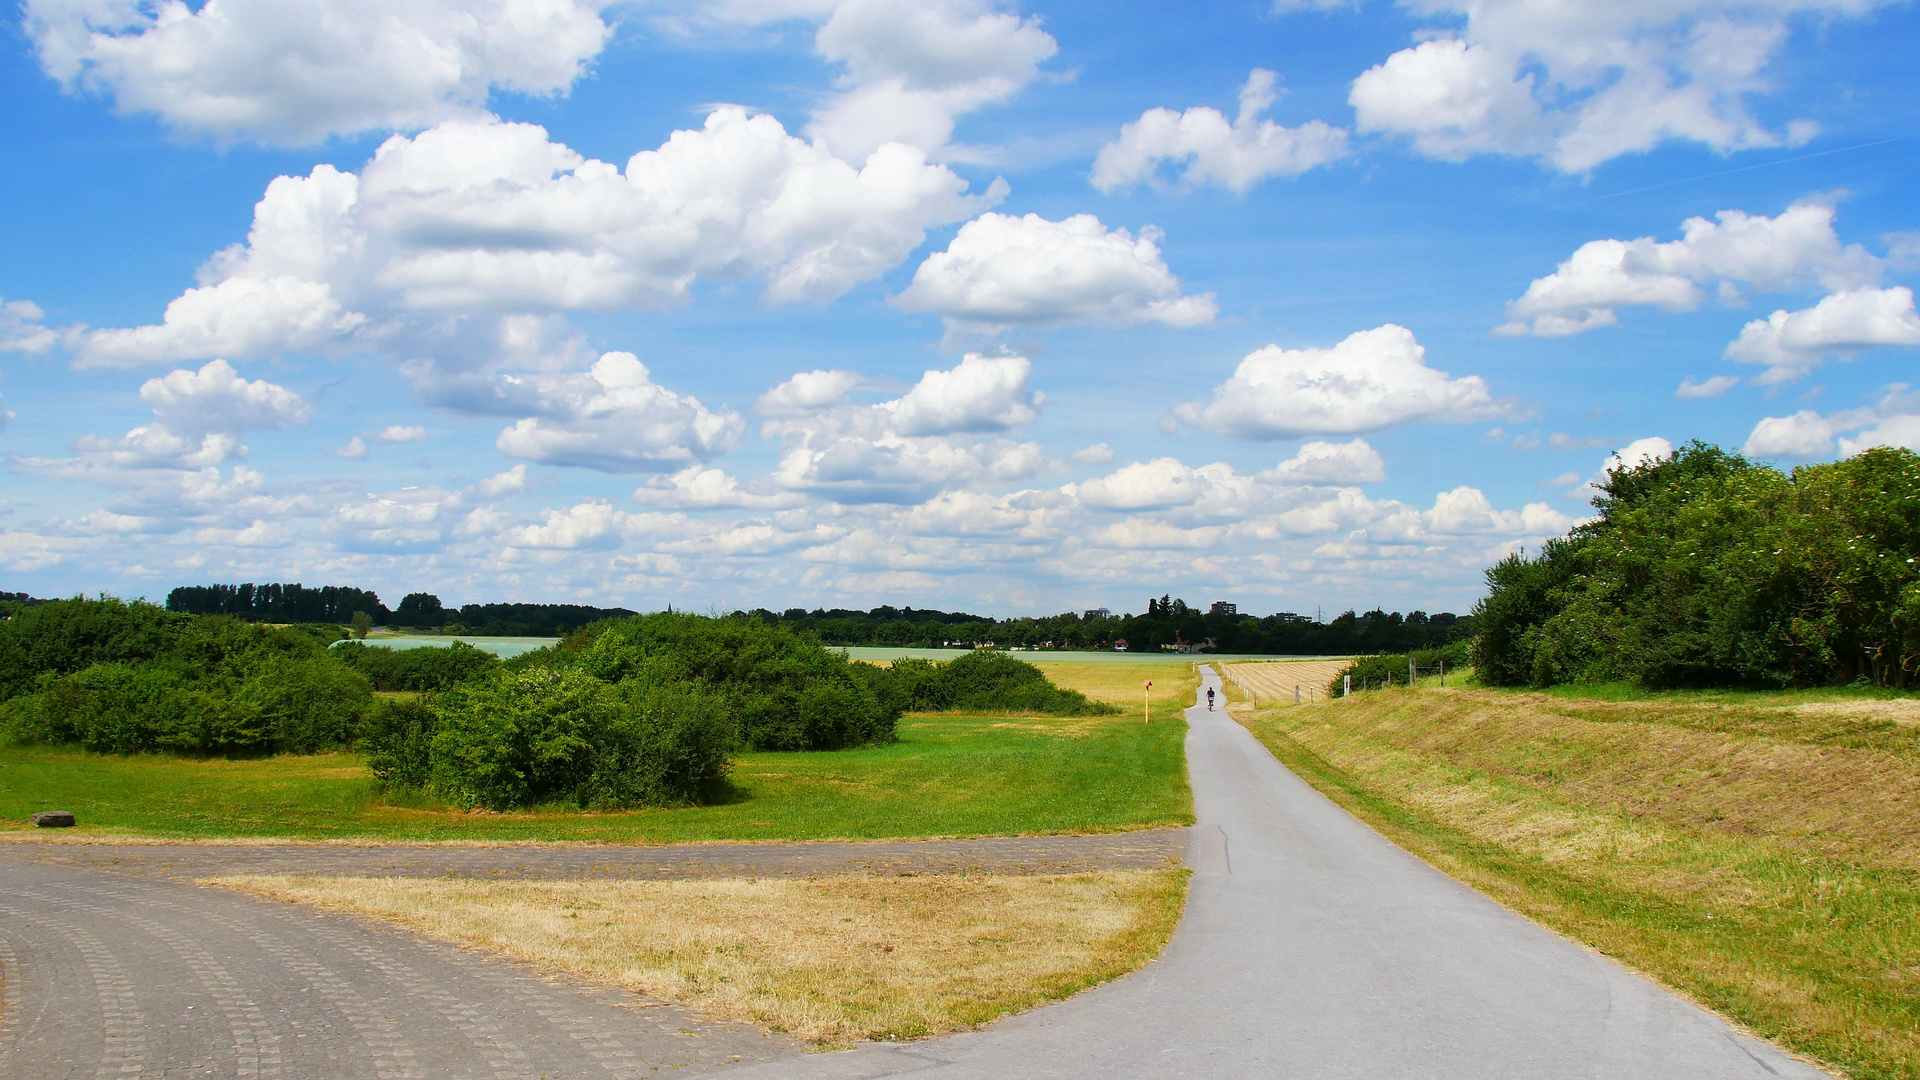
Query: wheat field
x=1272, y=682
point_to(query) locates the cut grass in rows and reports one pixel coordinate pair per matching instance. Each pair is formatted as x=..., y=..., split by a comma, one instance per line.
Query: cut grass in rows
x=947, y=776
x=1761, y=854
x=829, y=959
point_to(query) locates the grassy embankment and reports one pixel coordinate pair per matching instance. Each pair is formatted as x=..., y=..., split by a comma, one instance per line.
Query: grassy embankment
x=1759, y=852
x=949, y=775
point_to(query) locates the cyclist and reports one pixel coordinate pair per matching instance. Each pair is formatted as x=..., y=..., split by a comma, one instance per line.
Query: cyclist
x=1209, y=699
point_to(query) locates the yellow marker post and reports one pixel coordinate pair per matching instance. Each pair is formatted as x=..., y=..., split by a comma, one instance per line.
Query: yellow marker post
x=1146, y=698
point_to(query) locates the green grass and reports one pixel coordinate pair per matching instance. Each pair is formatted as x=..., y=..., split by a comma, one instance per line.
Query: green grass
x=947, y=776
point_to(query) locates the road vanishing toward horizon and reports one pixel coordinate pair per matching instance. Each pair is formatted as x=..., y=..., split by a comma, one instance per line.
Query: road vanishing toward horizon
x=1311, y=948
x=1314, y=948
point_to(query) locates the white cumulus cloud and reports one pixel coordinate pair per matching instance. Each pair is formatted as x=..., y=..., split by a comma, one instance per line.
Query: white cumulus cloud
x=1792, y=342
x=617, y=419
x=489, y=217
x=1795, y=248
x=1576, y=85
x=241, y=318
x=1203, y=147
x=295, y=73
x=1374, y=379
x=1689, y=390
x=1893, y=420
x=1002, y=271
x=22, y=330
x=910, y=70
x=911, y=447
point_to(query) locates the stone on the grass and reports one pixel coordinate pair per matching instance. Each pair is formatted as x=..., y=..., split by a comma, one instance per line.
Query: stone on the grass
x=53, y=819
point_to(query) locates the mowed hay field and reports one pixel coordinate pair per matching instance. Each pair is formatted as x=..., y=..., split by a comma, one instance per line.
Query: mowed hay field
x=948, y=775
x=1760, y=853
x=829, y=959
x=1273, y=682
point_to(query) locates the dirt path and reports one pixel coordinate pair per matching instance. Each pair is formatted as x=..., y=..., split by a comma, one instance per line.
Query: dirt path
x=1148, y=849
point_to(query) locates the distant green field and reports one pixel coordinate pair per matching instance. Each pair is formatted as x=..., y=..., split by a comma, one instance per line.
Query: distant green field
x=947, y=776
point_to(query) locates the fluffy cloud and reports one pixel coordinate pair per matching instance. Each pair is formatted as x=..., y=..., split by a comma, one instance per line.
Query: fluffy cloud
x=981, y=393
x=807, y=392
x=293, y=74
x=912, y=69
x=1577, y=85
x=1894, y=420
x=1333, y=463
x=1688, y=390
x=697, y=487
x=1468, y=510
x=1796, y=248
x=485, y=216
x=908, y=448
x=217, y=398
x=198, y=418
x=1206, y=148
x=1374, y=379
x=241, y=317
x=1004, y=271
x=617, y=419
x=21, y=329
x=1792, y=342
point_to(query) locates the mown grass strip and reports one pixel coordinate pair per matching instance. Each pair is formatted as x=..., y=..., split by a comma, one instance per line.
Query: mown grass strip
x=1805, y=936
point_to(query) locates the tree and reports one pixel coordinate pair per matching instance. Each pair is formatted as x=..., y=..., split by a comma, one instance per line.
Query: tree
x=361, y=623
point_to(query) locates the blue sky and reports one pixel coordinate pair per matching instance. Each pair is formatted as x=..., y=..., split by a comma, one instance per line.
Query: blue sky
x=956, y=304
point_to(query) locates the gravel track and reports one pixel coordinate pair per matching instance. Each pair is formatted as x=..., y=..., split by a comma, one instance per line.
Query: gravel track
x=114, y=964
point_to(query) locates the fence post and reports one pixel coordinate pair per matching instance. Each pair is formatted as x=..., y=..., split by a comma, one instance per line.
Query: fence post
x=1346, y=685
x=1296, y=693
x=1412, y=672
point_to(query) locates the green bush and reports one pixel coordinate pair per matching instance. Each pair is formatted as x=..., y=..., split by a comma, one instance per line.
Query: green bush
x=397, y=739
x=987, y=680
x=549, y=735
x=1706, y=569
x=130, y=678
x=781, y=690
x=418, y=670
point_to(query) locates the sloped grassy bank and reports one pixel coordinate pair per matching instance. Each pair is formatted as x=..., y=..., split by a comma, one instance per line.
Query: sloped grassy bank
x=1760, y=853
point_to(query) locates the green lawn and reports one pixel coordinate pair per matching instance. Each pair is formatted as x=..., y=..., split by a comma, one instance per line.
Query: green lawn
x=947, y=776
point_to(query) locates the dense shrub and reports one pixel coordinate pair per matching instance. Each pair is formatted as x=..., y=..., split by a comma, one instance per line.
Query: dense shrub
x=127, y=678
x=780, y=690
x=1706, y=569
x=420, y=669
x=987, y=680
x=552, y=735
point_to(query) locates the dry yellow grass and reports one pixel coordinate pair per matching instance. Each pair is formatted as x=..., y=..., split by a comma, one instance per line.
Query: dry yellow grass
x=1174, y=681
x=1765, y=860
x=829, y=959
x=1272, y=682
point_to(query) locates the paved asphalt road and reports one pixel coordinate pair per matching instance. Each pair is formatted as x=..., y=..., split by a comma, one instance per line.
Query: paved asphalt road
x=1314, y=949
x=1311, y=948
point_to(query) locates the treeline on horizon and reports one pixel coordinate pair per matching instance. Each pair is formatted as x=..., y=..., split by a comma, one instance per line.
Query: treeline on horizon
x=1167, y=621
x=296, y=603
x=1707, y=569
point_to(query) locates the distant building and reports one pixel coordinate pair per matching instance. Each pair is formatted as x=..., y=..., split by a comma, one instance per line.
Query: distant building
x=1221, y=607
x=1120, y=645
x=1097, y=613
